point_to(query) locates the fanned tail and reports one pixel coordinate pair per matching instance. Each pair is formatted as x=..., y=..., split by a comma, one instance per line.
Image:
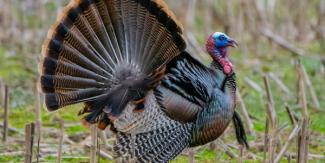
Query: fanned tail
x=106, y=53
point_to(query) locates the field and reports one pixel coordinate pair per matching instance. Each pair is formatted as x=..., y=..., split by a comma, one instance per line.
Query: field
x=280, y=67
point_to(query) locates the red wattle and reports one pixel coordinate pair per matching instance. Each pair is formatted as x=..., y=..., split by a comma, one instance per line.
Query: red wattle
x=227, y=69
x=227, y=66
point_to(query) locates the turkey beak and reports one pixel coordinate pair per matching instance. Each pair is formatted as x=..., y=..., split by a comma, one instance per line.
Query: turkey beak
x=233, y=43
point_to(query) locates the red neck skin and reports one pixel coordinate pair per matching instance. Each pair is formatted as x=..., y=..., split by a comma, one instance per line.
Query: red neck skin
x=220, y=56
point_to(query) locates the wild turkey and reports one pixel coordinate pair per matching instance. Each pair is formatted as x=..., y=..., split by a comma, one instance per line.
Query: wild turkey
x=126, y=61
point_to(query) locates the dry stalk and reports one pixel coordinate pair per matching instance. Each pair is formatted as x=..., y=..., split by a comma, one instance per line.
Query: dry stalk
x=292, y=135
x=195, y=46
x=302, y=94
x=68, y=140
x=272, y=121
x=296, y=52
x=289, y=158
x=241, y=154
x=228, y=24
x=310, y=156
x=280, y=131
x=190, y=14
x=6, y=115
x=268, y=90
x=303, y=139
x=29, y=142
x=15, y=153
x=103, y=138
x=310, y=87
x=93, y=147
x=38, y=121
x=272, y=134
x=103, y=154
x=278, y=134
x=212, y=146
x=293, y=118
x=191, y=155
x=322, y=68
x=2, y=89
x=282, y=42
x=208, y=17
x=244, y=112
x=225, y=147
x=281, y=85
x=266, y=139
x=13, y=130
x=61, y=138
x=253, y=85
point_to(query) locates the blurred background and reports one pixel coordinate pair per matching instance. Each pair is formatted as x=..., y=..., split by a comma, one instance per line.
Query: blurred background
x=281, y=43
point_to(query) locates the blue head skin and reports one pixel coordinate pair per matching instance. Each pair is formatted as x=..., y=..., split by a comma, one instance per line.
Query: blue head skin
x=217, y=46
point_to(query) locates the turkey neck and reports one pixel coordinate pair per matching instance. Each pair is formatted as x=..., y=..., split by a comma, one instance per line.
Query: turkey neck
x=224, y=100
x=227, y=96
x=227, y=83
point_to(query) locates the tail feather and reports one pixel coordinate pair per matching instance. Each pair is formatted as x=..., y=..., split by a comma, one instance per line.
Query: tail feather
x=116, y=24
x=64, y=97
x=77, y=49
x=98, y=48
x=85, y=30
x=71, y=69
x=69, y=83
x=90, y=29
x=240, y=130
x=112, y=40
x=93, y=16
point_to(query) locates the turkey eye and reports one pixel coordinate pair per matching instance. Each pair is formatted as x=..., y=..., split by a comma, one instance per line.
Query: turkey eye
x=221, y=38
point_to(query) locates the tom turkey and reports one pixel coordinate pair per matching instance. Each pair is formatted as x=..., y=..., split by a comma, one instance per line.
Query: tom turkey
x=126, y=61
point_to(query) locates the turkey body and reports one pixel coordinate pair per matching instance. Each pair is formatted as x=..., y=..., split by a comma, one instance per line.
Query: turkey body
x=172, y=121
x=126, y=61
